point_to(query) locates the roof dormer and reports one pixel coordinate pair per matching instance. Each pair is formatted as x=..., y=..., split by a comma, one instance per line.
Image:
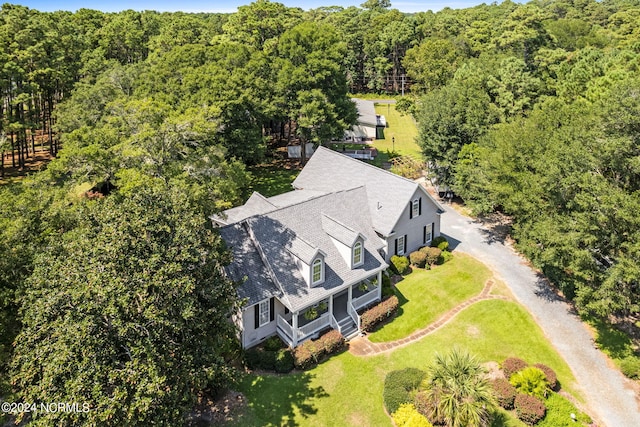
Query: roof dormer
x=309, y=260
x=350, y=244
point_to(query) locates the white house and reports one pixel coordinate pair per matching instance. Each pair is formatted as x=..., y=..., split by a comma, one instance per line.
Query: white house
x=311, y=258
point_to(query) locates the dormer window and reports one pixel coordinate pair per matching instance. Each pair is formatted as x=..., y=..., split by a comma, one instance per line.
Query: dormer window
x=317, y=272
x=357, y=254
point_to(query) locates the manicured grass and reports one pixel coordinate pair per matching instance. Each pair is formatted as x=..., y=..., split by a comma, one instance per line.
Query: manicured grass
x=425, y=295
x=402, y=128
x=272, y=180
x=347, y=390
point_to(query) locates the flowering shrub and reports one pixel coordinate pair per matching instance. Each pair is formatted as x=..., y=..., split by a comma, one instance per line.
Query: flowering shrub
x=504, y=392
x=378, y=313
x=529, y=409
x=512, y=365
x=310, y=352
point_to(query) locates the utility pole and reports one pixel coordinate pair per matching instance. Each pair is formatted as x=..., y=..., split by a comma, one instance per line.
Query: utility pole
x=403, y=85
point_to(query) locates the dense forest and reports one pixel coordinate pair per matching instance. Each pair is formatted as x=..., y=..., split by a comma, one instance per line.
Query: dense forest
x=109, y=270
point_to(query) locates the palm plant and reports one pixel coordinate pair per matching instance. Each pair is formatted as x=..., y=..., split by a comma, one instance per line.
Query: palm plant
x=459, y=391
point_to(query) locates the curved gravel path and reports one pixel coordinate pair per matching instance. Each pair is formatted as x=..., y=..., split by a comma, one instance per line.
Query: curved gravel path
x=610, y=396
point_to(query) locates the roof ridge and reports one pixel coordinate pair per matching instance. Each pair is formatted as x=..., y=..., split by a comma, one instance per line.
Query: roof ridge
x=338, y=222
x=367, y=164
x=331, y=193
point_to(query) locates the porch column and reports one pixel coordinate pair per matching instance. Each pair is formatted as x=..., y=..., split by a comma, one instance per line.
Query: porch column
x=331, y=305
x=294, y=325
x=349, y=298
x=380, y=284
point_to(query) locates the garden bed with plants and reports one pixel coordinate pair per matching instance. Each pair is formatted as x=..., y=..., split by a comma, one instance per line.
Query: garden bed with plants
x=456, y=390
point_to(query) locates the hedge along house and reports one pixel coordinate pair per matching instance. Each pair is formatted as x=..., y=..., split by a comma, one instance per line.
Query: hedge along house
x=309, y=259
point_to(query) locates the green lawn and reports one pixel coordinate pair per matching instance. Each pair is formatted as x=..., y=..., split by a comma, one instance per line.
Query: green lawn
x=402, y=128
x=271, y=180
x=347, y=390
x=427, y=294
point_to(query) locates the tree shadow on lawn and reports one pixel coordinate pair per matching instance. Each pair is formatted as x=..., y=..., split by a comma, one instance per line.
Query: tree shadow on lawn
x=276, y=399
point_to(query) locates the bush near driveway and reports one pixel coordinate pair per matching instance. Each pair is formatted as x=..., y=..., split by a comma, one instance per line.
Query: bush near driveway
x=504, y=392
x=511, y=365
x=529, y=409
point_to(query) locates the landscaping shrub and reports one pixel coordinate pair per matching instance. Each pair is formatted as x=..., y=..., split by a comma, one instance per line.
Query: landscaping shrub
x=407, y=416
x=512, y=365
x=432, y=255
x=398, y=387
x=531, y=381
x=504, y=392
x=400, y=264
x=445, y=256
x=418, y=258
x=331, y=342
x=378, y=313
x=559, y=411
x=311, y=352
x=273, y=343
x=529, y=409
x=630, y=366
x=307, y=353
x=284, y=361
x=387, y=289
x=550, y=374
x=441, y=243
x=259, y=358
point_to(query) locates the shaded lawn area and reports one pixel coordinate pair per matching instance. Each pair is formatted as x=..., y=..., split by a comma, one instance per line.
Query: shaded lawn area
x=271, y=180
x=347, y=390
x=425, y=295
x=403, y=128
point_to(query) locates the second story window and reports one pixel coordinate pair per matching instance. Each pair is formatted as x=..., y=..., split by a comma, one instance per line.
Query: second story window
x=415, y=207
x=316, y=272
x=357, y=254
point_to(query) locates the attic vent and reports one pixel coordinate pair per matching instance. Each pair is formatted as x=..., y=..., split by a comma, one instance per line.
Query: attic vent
x=379, y=205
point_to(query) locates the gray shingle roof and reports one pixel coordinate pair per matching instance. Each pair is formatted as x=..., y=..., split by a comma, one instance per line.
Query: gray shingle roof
x=277, y=231
x=247, y=266
x=339, y=231
x=387, y=193
x=366, y=112
x=255, y=205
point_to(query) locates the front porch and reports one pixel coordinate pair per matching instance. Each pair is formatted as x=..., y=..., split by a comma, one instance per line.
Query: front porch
x=339, y=311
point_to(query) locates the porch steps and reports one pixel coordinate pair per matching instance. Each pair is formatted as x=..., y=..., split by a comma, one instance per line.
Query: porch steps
x=348, y=328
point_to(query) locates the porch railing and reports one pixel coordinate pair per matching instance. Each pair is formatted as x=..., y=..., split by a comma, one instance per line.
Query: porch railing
x=365, y=299
x=314, y=326
x=334, y=324
x=354, y=315
x=286, y=328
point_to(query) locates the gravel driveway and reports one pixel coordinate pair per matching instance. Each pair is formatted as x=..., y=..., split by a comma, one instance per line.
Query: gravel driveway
x=609, y=394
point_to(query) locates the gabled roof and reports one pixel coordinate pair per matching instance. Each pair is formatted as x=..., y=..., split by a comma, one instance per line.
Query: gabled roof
x=277, y=233
x=366, y=112
x=342, y=233
x=255, y=205
x=387, y=193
